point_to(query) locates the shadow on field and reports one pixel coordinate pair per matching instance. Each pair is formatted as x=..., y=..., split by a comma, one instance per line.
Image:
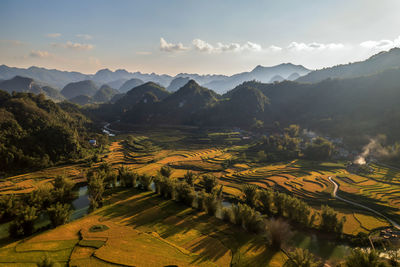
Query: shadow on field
x=208, y=237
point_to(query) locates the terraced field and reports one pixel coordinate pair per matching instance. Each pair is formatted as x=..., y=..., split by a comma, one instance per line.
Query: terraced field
x=164, y=232
x=307, y=180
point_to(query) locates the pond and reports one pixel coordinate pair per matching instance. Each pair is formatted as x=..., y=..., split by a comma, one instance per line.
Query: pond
x=81, y=204
x=80, y=207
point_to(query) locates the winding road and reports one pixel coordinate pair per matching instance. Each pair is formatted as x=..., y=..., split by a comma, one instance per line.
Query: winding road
x=336, y=187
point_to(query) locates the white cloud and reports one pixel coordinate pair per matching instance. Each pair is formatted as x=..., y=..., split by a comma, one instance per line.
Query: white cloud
x=74, y=46
x=203, y=46
x=53, y=35
x=39, y=54
x=295, y=46
x=169, y=47
x=381, y=44
x=274, y=48
x=84, y=36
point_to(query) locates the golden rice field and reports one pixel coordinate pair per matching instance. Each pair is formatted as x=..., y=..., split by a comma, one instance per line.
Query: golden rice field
x=305, y=180
x=165, y=233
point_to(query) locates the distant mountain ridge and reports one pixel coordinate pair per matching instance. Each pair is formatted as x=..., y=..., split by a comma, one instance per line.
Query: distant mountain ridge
x=376, y=63
x=218, y=83
x=259, y=73
x=29, y=85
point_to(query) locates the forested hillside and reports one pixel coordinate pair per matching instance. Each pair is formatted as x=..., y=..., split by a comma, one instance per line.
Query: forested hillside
x=36, y=132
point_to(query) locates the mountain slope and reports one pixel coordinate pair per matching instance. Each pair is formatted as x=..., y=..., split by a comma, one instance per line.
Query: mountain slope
x=239, y=108
x=259, y=73
x=374, y=64
x=36, y=132
x=28, y=85
x=52, y=77
x=177, y=83
x=130, y=84
x=104, y=94
x=132, y=97
x=181, y=107
x=86, y=87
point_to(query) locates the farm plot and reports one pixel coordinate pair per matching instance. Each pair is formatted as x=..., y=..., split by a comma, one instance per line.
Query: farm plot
x=136, y=225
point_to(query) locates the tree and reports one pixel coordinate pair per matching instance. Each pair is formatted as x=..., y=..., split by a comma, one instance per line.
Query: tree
x=293, y=130
x=301, y=258
x=266, y=200
x=320, y=149
x=190, y=177
x=278, y=233
x=47, y=262
x=23, y=224
x=63, y=189
x=95, y=188
x=361, y=258
x=166, y=171
x=8, y=206
x=59, y=213
x=185, y=193
x=250, y=194
x=145, y=181
x=209, y=182
x=329, y=220
x=211, y=203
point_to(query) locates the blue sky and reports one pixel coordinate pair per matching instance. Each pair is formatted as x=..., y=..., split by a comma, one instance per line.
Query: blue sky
x=208, y=36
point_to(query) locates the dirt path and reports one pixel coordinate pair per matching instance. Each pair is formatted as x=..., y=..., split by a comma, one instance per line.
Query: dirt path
x=336, y=187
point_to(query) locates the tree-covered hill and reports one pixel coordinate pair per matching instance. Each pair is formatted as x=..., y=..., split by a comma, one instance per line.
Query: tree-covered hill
x=181, y=107
x=86, y=87
x=37, y=133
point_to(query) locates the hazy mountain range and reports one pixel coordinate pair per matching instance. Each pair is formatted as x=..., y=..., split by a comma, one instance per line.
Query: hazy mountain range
x=364, y=104
x=118, y=79
x=356, y=99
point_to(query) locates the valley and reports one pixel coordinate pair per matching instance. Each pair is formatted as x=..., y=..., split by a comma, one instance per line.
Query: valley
x=185, y=235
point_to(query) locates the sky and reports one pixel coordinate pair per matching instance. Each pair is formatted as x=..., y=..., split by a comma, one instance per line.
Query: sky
x=191, y=36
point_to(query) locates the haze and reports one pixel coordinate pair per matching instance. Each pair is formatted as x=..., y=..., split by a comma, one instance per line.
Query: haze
x=222, y=37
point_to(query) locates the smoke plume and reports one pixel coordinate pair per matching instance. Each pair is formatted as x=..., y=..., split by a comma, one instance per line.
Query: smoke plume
x=374, y=148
